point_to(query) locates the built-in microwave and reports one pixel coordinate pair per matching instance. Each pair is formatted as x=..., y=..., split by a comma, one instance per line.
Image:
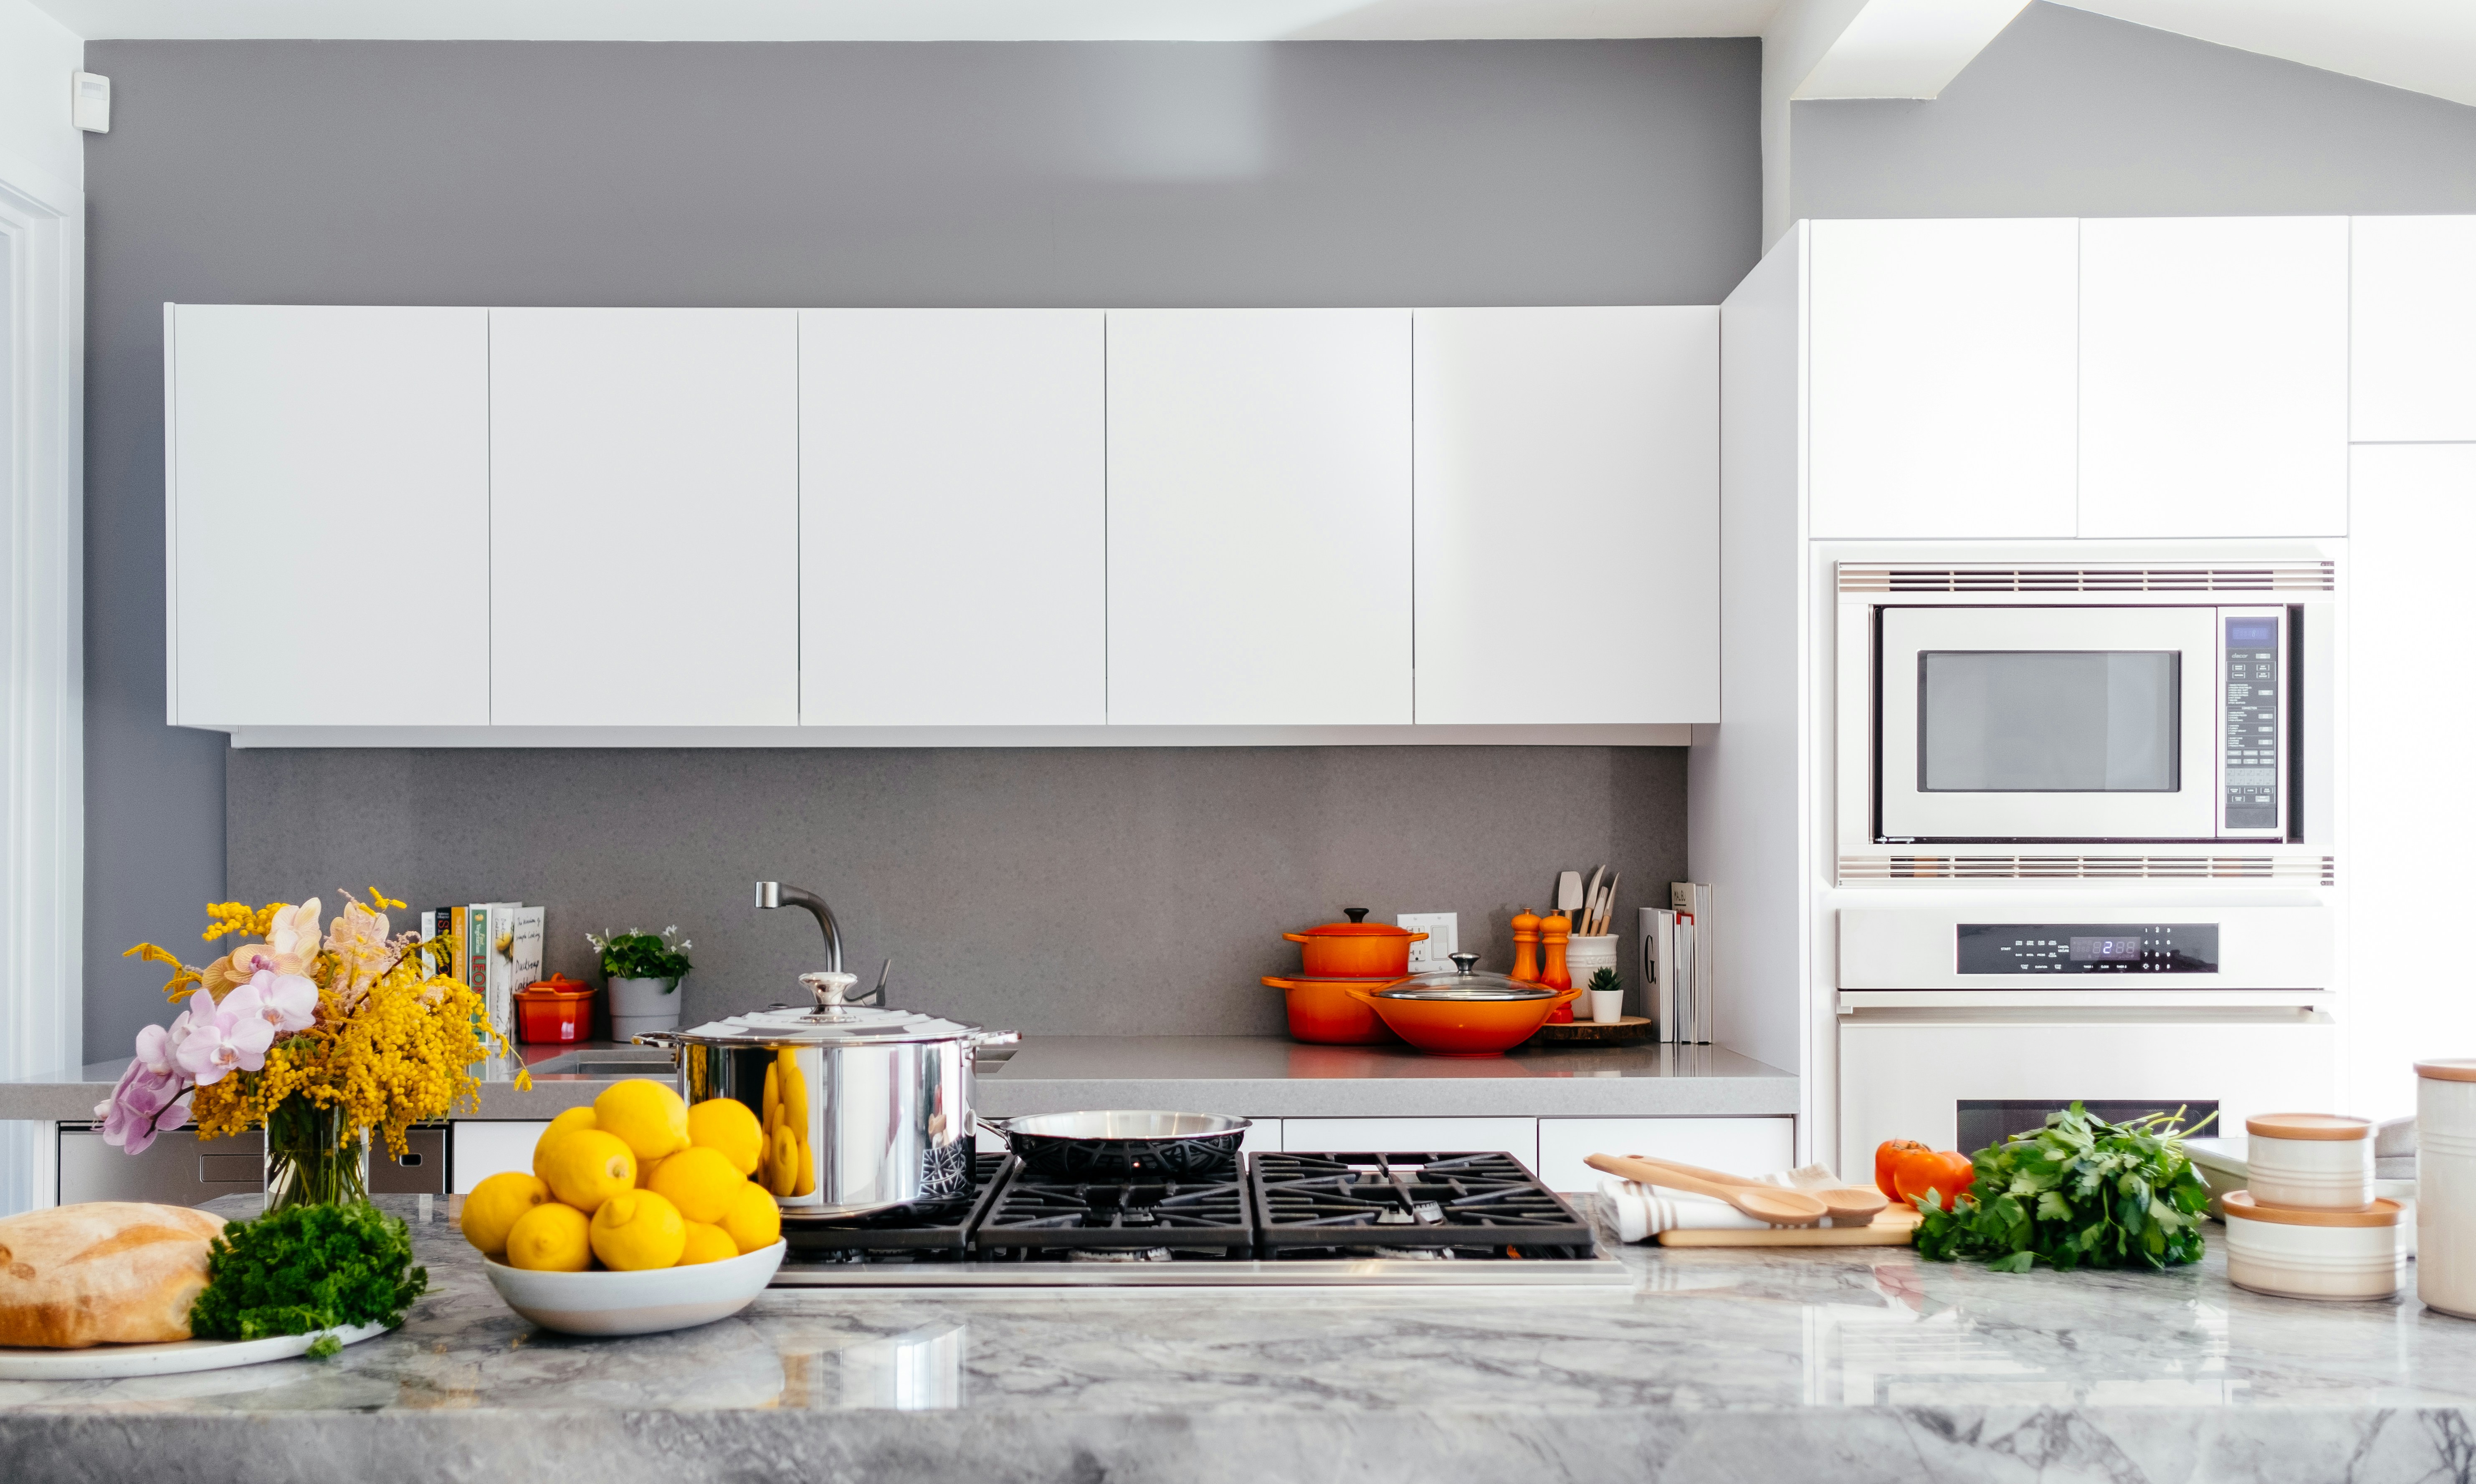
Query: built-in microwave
x=2022, y=722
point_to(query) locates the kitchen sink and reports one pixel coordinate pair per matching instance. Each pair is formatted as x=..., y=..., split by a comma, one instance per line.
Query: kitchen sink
x=615, y=1061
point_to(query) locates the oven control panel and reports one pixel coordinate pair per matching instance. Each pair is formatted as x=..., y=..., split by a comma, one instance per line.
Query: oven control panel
x=2251, y=749
x=2088, y=948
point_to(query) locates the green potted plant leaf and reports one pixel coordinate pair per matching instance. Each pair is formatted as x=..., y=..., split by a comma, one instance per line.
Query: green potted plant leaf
x=643, y=971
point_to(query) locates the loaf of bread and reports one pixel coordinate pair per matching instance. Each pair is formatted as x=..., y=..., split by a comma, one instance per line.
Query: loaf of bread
x=104, y=1272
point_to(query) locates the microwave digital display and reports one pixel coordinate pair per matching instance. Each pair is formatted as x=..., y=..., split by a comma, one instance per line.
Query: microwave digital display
x=2086, y=948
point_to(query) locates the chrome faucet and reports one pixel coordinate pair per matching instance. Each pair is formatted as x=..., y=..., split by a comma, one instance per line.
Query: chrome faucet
x=773, y=894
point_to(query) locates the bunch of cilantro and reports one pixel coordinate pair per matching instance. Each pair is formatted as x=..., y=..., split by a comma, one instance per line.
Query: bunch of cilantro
x=308, y=1268
x=2080, y=1191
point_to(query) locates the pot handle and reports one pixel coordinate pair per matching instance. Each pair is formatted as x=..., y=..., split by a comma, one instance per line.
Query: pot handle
x=981, y=1038
x=666, y=1038
x=1567, y=996
x=1365, y=996
x=1294, y=937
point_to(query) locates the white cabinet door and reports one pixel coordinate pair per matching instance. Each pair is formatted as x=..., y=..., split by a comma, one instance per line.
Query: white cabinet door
x=644, y=518
x=485, y=1147
x=1515, y=1137
x=2214, y=377
x=1739, y=1146
x=953, y=518
x=1568, y=485
x=1259, y=517
x=2414, y=356
x=2414, y=519
x=1941, y=378
x=329, y=480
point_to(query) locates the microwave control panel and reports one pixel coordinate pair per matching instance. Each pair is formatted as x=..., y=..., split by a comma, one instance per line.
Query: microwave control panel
x=2252, y=751
x=2088, y=948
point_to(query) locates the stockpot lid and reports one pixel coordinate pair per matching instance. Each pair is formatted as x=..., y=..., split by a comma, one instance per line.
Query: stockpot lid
x=831, y=1022
x=1464, y=981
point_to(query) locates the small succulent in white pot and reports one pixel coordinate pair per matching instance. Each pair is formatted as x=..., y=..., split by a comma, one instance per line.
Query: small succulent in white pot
x=643, y=971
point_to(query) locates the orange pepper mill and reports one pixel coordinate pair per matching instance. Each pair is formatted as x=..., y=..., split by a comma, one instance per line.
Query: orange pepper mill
x=1525, y=944
x=1554, y=930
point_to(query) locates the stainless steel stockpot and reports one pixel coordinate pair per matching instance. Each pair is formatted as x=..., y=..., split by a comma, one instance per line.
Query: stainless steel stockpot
x=864, y=1111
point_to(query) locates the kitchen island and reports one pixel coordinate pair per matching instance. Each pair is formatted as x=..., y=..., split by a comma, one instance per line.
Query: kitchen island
x=1850, y=1364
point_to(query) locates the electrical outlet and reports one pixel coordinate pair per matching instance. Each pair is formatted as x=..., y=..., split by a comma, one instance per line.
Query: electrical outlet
x=1443, y=940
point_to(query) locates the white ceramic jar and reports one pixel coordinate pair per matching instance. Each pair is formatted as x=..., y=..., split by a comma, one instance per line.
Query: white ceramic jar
x=2314, y=1254
x=2445, y=1185
x=2311, y=1161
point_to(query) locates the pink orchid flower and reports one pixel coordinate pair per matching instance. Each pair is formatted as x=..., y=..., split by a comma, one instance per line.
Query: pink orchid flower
x=225, y=1038
x=288, y=1001
x=152, y=1095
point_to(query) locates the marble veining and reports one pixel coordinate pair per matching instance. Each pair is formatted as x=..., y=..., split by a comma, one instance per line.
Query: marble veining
x=1854, y=1363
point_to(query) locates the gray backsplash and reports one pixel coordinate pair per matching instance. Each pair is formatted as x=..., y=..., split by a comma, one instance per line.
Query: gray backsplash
x=1111, y=891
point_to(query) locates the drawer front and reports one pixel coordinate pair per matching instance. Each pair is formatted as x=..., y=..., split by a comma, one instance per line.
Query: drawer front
x=423, y=1169
x=178, y=1169
x=1739, y=1146
x=1515, y=1136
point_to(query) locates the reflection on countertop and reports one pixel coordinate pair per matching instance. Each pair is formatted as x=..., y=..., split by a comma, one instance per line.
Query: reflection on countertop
x=1721, y=1364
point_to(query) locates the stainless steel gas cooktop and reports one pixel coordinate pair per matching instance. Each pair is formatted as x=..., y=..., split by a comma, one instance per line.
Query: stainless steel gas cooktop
x=1274, y=1219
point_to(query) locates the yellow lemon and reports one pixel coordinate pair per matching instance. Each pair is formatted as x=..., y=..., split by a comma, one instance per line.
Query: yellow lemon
x=645, y=1172
x=725, y=1124
x=568, y=1122
x=707, y=1244
x=804, y=1181
x=495, y=1206
x=637, y=1228
x=782, y=1169
x=795, y=1090
x=552, y=1238
x=753, y=1219
x=588, y=1166
x=700, y=1183
x=651, y=1116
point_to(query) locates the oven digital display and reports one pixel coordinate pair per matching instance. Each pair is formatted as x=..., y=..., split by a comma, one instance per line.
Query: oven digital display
x=2088, y=948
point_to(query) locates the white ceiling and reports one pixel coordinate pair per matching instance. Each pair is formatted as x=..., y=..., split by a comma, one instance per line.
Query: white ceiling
x=2426, y=46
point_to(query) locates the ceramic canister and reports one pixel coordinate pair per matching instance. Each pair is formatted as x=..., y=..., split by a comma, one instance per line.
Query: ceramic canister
x=2445, y=1185
x=2314, y=1161
x=1587, y=954
x=2314, y=1254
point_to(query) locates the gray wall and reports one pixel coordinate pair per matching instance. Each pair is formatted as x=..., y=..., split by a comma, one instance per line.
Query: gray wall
x=1050, y=891
x=2067, y=114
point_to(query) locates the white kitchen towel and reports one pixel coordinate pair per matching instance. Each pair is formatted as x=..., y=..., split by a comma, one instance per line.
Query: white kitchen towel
x=1644, y=1211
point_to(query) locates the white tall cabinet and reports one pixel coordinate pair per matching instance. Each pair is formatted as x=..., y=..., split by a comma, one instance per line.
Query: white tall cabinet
x=644, y=518
x=953, y=512
x=1259, y=517
x=327, y=479
x=1567, y=527
x=2414, y=359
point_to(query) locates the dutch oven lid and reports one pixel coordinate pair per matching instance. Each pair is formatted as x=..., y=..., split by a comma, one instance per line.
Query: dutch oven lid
x=1464, y=981
x=1355, y=928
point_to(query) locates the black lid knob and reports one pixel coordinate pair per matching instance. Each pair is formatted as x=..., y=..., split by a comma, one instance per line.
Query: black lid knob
x=1465, y=962
x=1354, y=914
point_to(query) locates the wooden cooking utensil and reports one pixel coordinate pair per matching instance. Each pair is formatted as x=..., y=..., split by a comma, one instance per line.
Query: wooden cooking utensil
x=1772, y=1204
x=1848, y=1202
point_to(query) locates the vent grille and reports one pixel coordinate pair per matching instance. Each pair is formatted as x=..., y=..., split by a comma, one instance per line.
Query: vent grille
x=2267, y=577
x=2319, y=870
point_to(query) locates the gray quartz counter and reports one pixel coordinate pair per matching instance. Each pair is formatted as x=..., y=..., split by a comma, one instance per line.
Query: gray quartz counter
x=1848, y=1365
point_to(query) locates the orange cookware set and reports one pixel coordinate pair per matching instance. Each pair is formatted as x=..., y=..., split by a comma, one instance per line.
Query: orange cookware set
x=1357, y=990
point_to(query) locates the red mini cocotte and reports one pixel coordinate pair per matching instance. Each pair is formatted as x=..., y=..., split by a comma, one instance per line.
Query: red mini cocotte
x=554, y=1009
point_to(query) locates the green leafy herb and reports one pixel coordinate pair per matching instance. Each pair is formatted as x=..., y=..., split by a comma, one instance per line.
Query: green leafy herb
x=641, y=956
x=2080, y=1191
x=308, y=1268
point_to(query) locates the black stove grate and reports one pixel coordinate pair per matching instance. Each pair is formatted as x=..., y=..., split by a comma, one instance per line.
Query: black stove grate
x=1472, y=1205
x=927, y=1232
x=1035, y=1219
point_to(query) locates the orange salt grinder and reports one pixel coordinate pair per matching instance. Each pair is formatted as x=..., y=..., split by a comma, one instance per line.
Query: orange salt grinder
x=1554, y=930
x=1525, y=944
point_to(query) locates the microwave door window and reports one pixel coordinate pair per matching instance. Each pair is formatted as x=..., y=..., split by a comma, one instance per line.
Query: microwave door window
x=2049, y=721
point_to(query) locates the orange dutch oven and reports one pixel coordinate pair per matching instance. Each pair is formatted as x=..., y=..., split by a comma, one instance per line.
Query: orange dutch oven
x=1354, y=949
x=1464, y=1013
x=1323, y=1012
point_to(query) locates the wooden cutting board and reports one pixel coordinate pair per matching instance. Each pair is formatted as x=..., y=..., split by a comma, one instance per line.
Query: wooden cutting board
x=1896, y=1227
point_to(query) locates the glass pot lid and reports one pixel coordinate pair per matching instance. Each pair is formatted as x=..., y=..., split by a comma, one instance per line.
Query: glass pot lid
x=1464, y=981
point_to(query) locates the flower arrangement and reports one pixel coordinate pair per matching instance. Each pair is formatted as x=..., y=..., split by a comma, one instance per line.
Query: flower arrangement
x=318, y=1037
x=641, y=956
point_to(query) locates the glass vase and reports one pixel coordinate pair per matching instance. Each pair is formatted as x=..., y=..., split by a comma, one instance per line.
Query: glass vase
x=313, y=1157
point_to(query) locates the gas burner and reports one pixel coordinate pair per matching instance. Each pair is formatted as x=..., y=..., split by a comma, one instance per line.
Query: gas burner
x=1478, y=1204
x=924, y=1232
x=1120, y=1254
x=1035, y=1219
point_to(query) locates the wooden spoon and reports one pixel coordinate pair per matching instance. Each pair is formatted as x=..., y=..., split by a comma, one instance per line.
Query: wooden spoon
x=1854, y=1203
x=1772, y=1204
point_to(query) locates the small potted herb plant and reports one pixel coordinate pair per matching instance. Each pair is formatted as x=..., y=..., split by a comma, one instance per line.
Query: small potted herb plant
x=643, y=971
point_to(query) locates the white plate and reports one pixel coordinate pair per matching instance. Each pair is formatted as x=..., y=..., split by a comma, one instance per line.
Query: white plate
x=107, y=1361
x=636, y=1303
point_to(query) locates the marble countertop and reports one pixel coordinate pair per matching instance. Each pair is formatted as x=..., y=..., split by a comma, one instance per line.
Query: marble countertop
x=1847, y=1364
x=1261, y=1077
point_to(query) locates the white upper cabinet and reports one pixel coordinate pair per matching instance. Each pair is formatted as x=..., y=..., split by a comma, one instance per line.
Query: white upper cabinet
x=329, y=484
x=1941, y=378
x=1568, y=529
x=953, y=518
x=2214, y=377
x=644, y=518
x=1259, y=517
x=2414, y=360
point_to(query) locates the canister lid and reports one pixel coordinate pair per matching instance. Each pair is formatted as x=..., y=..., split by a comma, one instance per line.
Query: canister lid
x=2454, y=1068
x=2330, y=1127
x=2240, y=1202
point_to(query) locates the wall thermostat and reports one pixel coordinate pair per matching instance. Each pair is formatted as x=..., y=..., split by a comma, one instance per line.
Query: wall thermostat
x=91, y=102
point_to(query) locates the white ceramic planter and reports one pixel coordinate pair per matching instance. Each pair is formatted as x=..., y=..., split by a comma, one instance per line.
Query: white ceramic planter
x=2314, y=1254
x=2310, y=1161
x=2445, y=1185
x=640, y=1005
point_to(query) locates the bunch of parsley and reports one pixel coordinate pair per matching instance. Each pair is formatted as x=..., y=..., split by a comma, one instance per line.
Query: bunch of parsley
x=308, y=1268
x=2078, y=1190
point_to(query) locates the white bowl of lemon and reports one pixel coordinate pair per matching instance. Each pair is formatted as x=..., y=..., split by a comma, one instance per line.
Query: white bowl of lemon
x=639, y=1216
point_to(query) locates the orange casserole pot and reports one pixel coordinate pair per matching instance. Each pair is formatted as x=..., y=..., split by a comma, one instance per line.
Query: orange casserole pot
x=1462, y=1026
x=1322, y=1011
x=1354, y=949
